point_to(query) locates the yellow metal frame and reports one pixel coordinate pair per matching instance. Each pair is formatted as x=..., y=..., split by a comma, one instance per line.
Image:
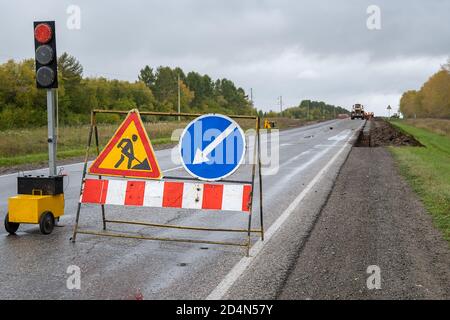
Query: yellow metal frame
x=29, y=208
x=256, y=165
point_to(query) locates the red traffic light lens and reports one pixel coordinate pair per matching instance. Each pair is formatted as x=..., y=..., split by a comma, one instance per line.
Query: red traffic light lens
x=43, y=33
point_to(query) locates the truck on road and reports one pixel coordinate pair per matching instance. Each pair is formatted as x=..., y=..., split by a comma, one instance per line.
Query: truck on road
x=357, y=111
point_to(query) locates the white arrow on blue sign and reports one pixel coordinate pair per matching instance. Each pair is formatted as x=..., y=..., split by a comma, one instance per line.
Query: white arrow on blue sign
x=212, y=147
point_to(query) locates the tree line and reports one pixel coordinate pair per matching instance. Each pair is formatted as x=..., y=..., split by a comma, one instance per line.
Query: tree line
x=309, y=110
x=432, y=100
x=23, y=105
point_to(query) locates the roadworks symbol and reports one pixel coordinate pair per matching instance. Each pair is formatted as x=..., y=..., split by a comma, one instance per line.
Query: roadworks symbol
x=126, y=147
x=129, y=153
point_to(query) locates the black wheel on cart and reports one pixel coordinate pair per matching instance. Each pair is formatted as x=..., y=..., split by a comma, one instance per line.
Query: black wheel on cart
x=11, y=227
x=47, y=222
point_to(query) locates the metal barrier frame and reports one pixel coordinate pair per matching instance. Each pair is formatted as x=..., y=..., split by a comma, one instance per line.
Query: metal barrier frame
x=256, y=164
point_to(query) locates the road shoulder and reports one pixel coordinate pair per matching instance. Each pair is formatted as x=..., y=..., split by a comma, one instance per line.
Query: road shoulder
x=372, y=217
x=265, y=276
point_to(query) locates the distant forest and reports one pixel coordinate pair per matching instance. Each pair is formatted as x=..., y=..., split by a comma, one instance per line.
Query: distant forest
x=432, y=100
x=23, y=105
x=310, y=110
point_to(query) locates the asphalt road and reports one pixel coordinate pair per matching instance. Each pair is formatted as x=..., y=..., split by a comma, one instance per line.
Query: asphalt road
x=34, y=266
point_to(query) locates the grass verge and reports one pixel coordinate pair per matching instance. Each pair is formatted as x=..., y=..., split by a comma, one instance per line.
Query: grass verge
x=428, y=171
x=29, y=146
x=42, y=157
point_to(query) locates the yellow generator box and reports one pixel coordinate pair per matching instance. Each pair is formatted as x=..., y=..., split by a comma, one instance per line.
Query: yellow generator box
x=29, y=208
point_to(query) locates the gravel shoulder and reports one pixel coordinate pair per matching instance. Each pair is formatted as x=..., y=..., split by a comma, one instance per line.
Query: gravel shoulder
x=372, y=217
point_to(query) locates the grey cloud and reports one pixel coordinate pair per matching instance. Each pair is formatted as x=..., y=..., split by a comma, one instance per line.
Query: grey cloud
x=301, y=49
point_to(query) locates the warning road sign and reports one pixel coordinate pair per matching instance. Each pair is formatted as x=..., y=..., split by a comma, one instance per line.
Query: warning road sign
x=212, y=147
x=129, y=153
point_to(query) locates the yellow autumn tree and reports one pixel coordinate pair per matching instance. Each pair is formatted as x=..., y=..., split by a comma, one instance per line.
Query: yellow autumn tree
x=409, y=104
x=436, y=95
x=433, y=98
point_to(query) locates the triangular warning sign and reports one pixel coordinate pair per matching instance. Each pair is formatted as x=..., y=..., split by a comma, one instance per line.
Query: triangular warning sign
x=129, y=153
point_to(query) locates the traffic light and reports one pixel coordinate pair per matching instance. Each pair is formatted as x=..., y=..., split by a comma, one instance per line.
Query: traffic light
x=45, y=54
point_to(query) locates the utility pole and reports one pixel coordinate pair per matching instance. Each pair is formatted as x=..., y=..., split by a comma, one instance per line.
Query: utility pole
x=308, y=111
x=281, y=104
x=179, y=98
x=251, y=95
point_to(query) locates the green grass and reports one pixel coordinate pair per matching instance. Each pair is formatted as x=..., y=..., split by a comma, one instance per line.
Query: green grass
x=29, y=146
x=439, y=126
x=37, y=158
x=427, y=169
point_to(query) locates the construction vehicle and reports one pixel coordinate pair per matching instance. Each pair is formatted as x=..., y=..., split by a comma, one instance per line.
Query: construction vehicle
x=368, y=115
x=357, y=111
x=269, y=124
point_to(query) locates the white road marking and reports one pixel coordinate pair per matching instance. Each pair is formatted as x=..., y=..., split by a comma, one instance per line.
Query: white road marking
x=223, y=287
x=295, y=171
x=341, y=136
x=275, y=170
x=173, y=169
x=9, y=175
x=325, y=145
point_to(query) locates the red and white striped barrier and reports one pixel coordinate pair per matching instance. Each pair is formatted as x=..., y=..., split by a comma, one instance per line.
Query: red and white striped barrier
x=168, y=194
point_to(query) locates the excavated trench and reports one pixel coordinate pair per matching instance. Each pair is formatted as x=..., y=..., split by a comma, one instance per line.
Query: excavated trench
x=379, y=133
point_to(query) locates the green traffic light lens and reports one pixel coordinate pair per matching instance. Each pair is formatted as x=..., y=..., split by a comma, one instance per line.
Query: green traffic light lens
x=45, y=76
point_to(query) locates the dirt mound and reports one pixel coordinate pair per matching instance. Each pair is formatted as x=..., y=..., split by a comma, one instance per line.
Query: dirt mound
x=382, y=133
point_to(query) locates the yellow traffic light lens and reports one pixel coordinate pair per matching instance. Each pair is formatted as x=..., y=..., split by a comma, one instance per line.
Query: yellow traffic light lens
x=44, y=54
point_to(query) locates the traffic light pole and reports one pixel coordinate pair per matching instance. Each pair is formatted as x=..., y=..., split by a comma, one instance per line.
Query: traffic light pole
x=51, y=107
x=47, y=204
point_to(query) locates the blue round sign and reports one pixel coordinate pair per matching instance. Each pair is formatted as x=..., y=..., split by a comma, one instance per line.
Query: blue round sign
x=212, y=147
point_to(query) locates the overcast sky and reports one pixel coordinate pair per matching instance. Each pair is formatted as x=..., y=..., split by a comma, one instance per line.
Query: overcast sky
x=319, y=50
